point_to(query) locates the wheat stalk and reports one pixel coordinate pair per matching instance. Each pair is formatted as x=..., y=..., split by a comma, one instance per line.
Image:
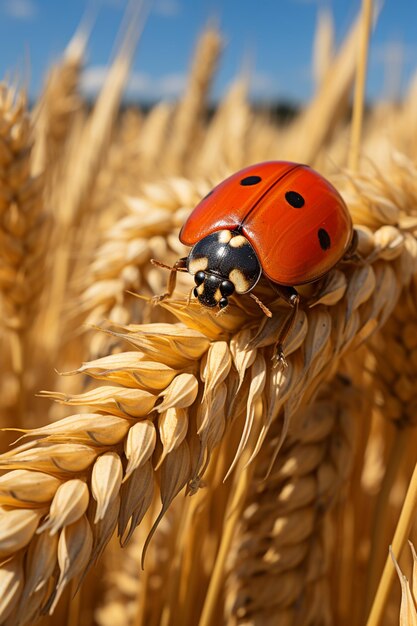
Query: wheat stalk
x=360, y=84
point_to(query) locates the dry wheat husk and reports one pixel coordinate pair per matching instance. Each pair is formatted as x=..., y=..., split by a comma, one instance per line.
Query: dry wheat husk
x=408, y=611
x=162, y=411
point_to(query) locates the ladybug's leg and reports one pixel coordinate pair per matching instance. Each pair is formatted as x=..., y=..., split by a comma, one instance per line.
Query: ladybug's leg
x=290, y=295
x=179, y=266
x=352, y=253
x=352, y=250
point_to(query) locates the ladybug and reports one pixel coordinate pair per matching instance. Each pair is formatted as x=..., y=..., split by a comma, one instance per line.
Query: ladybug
x=278, y=219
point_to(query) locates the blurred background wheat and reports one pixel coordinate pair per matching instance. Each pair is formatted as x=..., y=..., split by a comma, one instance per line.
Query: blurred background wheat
x=320, y=457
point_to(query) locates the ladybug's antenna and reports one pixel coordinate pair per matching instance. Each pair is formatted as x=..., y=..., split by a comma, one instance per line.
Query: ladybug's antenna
x=261, y=305
x=164, y=266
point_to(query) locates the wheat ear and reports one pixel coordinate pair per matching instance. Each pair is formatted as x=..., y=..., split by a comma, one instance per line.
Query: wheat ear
x=24, y=230
x=281, y=557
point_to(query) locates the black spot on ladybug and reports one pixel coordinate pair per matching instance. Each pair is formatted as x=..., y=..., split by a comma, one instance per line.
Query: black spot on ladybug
x=208, y=194
x=294, y=199
x=324, y=239
x=250, y=180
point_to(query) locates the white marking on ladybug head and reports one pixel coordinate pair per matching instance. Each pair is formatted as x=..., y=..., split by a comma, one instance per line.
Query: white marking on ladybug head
x=224, y=236
x=198, y=265
x=241, y=283
x=238, y=242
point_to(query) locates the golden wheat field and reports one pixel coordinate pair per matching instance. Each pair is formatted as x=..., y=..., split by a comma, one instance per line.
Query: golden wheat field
x=156, y=468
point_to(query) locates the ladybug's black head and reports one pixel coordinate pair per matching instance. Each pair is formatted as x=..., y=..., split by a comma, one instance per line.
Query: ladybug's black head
x=212, y=290
x=223, y=263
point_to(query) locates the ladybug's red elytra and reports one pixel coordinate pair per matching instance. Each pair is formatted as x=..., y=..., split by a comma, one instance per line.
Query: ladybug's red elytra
x=279, y=219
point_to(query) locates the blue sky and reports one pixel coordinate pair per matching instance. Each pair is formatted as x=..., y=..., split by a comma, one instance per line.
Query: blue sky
x=274, y=36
